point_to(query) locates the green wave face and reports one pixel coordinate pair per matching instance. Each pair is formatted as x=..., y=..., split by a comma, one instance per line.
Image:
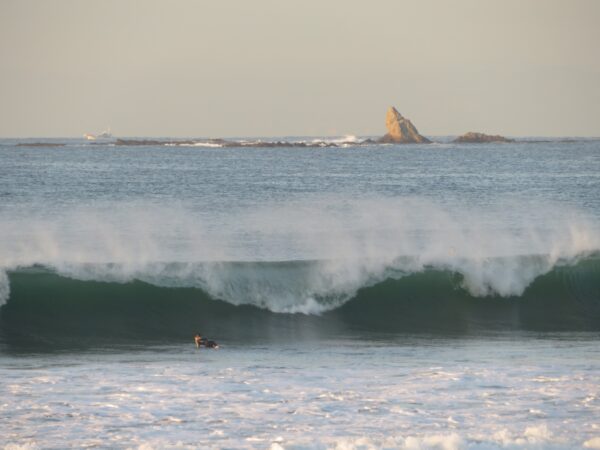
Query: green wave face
x=48, y=311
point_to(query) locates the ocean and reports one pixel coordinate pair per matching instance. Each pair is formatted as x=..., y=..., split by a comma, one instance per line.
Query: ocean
x=439, y=296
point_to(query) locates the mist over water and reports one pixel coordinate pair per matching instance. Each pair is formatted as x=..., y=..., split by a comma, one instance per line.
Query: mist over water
x=346, y=244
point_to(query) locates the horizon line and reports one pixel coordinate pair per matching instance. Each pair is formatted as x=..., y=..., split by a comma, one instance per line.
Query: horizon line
x=156, y=136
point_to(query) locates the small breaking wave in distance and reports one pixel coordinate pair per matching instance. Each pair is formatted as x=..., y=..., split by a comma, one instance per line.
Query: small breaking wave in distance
x=340, y=142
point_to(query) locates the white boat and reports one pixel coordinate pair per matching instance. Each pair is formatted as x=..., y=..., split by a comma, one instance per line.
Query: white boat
x=106, y=134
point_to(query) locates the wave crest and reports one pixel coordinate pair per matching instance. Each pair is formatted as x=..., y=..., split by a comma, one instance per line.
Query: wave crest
x=335, y=247
x=314, y=287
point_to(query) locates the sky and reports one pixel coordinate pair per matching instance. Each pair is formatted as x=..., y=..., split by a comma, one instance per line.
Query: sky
x=236, y=68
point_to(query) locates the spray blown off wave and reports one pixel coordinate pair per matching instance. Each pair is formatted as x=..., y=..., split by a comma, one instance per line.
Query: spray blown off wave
x=345, y=245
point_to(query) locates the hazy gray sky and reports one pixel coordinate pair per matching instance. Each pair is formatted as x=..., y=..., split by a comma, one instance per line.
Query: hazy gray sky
x=225, y=68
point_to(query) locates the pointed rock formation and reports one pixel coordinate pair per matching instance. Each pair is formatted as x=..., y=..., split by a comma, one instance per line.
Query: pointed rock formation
x=401, y=130
x=480, y=138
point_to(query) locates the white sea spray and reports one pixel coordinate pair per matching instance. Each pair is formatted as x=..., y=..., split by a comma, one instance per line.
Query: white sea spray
x=339, y=246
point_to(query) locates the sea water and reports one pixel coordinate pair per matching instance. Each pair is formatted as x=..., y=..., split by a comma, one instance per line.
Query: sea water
x=436, y=296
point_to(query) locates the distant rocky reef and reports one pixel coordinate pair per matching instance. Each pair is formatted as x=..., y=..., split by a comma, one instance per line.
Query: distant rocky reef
x=222, y=143
x=40, y=144
x=401, y=130
x=480, y=138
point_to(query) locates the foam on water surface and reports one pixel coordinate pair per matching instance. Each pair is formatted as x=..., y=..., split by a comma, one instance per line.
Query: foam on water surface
x=424, y=394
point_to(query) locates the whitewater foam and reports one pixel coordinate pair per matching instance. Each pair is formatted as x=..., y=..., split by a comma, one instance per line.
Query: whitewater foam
x=195, y=144
x=424, y=394
x=344, y=246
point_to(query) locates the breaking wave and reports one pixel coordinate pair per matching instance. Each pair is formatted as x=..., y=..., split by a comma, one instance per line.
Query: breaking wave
x=238, y=301
x=315, y=287
x=401, y=264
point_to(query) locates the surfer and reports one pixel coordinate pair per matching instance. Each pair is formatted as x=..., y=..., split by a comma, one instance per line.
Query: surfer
x=204, y=342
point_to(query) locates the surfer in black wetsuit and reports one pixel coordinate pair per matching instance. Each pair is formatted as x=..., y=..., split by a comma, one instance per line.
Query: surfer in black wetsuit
x=204, y=342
